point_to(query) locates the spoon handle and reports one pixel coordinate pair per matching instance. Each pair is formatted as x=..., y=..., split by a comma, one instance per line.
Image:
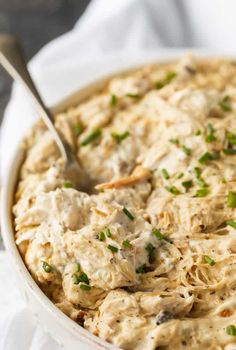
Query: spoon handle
x=12, y=59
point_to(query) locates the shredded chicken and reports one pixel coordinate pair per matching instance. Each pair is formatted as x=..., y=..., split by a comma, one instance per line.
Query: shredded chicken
x=147, y=258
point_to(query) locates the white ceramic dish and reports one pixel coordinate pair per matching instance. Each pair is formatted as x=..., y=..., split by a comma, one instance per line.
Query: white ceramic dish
x=62, y=328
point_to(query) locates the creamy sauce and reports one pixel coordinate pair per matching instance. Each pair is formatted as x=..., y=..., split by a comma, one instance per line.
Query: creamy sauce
x=147, y=260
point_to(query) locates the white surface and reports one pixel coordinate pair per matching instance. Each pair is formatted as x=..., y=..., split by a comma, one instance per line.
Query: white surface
x=111, y=34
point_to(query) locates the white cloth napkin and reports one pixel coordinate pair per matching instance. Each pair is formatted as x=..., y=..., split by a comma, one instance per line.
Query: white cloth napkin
x=110, y=35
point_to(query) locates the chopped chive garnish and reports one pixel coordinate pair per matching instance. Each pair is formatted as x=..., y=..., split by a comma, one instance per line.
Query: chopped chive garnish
x=231, y=330
x=224, y=104
x=157, y=233
x=128, y=213
x=92, y=137
x=84, y=286
x=186, y=150
x=132, y=95
x=208, y=157
x=174, y=141
x=168, y=78
x=120, y=137
x=75, y=279
x=113, y=100
x=165, y=174
x=197, y=132
x=47, y=268
x=101, y=236
x=202, y=192
x=231, y=199
x=197, y=172
x=78, y=129
x=187, y=184
x=180, y=175
x=173, y=190
x=78, y=267
x=229, y=151
x=209, y=260
x=83, y=278
x=141, y=269
x=231, y=223
x=126, y=244
x=149, y=248
x=201, y=182
x=231, y=137
x=68, y=184
x=112, y=248
x=108, y=232
x=210, y=129
x=210, y=136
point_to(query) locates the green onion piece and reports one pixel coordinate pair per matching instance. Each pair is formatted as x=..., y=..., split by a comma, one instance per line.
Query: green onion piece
x=132, y=95
x=165, y=174
x=157, y=233
x=78, y=267
x=112, y=248
x=180, y=175
x=84, y=286
x=229, y=151
x=141, y=269
x=101, y=236
x=202, y=192
x=231, y=199
x=83, y=278
x=209, y=260
x=149, y=248
x=75, y=279
x=201, y=182
x=174, y=141
x=92, y=137
x=128, y=213
x=78, y=129
x=173, y=190
x=197, y=132
x=231, y=223
x=224, y=104
x=108, y=232
x=231, y=330
x=113, y=100
x=120, y=137
x=47, y=268
x=187, y=184
x=68, y=184
x=231, y=138
x=168, y=78
x=205, y=157
x=210, y=138
x=126, y=244
x=197, y=172
x=210, y=129
x=186, y=150
x=208, y=157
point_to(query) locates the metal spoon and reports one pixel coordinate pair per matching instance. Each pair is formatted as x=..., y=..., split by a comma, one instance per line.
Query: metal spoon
x=12, y=59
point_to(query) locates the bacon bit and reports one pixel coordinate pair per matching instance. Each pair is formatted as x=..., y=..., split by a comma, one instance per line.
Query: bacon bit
x=225, y=313
x=139, y=174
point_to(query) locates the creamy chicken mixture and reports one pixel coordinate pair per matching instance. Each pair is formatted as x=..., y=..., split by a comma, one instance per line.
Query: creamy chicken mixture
x=146, y=259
